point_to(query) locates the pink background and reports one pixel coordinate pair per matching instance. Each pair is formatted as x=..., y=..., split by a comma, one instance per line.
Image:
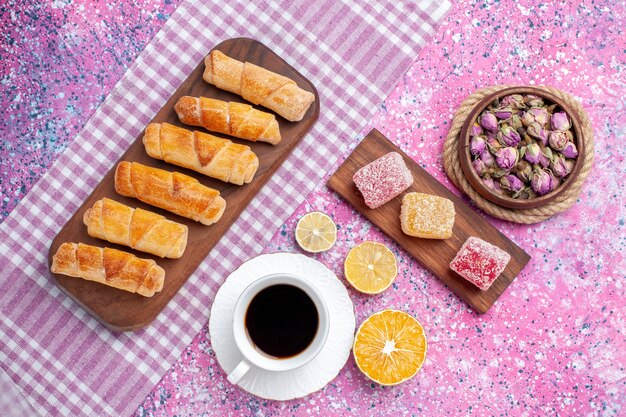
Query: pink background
x=555, y=342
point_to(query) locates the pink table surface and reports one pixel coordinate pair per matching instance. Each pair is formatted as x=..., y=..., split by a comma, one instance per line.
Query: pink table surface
x=554, y=344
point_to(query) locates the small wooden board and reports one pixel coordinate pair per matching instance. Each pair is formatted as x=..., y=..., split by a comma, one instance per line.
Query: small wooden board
x=435, y=255
x=121, y=310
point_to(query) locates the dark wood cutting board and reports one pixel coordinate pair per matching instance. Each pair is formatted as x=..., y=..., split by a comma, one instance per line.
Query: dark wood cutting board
x=121, y=310
x=433, y=254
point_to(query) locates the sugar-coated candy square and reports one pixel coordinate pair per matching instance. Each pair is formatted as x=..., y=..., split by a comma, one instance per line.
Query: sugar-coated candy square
x=383, y=179
x=427, y=216
x=480, y=262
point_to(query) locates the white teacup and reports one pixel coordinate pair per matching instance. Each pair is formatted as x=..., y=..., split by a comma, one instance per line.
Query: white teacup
x=253, y=355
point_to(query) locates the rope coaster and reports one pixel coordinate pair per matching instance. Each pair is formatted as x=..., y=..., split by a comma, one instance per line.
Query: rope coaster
x=527, y=216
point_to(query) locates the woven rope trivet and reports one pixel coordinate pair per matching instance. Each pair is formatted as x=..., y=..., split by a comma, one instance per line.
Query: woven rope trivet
x=528, y=216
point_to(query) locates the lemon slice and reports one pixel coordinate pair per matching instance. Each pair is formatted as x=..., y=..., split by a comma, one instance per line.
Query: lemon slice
x=370, y=267
x=316, y=232
x=390, y=347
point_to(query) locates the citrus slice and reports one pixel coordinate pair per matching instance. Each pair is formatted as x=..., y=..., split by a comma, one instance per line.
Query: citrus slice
x=316, y=232
x=390, y=347
x=370, y=267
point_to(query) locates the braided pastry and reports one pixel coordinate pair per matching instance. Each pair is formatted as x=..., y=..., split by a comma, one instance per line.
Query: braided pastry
x=257, y=85
x=207, y=154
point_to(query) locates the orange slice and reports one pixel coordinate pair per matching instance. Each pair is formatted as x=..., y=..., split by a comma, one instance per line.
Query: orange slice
x=370, y=267
x=390, y=347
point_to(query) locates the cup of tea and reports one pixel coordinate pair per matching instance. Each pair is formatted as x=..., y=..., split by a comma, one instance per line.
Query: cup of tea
x=280, y=323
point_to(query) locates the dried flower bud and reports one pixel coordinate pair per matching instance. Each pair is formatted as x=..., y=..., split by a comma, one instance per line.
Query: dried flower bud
x=507, y=158
x=488, y=181
x=489, y=122
x=535, y=114
x=477, y=145
x=523, y=169
x=555, y=182
x=515, y=122
x=559, y=166
x=537, y=131
x=487, y=158
x=560, y=121
x=532, y=152
x=526, y=194
x=532, y=100
x=570, y=151
x=541, y=181
x=493, y=144
x=476, y=130
x=522, y=195
x=558, y=140
x=546, y=156
x=491, y=184
x=511, y=183
x=508, y=136
x=479, y=167
x=515, y=101
x=503, y=113
x=570, y=165
x=499, y=172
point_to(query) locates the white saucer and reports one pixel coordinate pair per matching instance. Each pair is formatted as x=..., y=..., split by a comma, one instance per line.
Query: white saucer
x=312, y=376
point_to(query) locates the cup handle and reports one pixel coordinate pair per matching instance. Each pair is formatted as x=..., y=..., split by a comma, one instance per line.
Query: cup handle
x=239, y=371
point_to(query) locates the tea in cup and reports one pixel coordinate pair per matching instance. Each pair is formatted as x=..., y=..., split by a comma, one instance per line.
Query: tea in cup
x=280, y=323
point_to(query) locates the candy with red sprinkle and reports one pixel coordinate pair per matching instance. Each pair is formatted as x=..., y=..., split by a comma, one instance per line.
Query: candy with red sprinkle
x=383, y=179
x=480, y=262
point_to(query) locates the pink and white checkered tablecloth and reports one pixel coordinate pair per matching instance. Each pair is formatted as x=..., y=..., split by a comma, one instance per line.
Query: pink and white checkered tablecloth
x=61, y=358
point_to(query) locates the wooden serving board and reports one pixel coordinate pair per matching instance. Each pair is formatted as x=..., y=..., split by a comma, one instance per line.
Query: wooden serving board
x=435, y=255
x=121, y=310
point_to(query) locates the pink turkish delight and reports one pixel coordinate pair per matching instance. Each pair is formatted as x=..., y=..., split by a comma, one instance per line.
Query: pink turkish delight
x=480, y=262
x=383, y=179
